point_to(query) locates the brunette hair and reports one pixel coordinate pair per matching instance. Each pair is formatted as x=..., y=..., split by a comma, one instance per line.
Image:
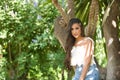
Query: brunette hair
x=71, y=40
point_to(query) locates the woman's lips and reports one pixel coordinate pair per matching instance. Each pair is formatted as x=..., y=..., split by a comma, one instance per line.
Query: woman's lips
x=75, y=34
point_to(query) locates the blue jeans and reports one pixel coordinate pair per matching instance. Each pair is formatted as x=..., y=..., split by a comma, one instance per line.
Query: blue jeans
x=92, y=74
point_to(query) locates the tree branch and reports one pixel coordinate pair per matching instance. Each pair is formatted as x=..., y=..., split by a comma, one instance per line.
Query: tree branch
x=61, y=10
x=70, y=9
x=93, y=18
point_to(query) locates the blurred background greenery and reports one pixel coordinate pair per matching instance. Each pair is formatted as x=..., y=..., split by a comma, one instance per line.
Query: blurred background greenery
x=28, y=47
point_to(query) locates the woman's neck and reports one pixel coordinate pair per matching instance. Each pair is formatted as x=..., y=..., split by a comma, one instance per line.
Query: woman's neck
x=79, y=39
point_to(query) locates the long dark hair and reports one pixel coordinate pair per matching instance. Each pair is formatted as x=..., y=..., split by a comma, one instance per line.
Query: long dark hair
x=71, y=40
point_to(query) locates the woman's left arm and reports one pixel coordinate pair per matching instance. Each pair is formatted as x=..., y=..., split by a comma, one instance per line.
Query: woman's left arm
x=87, y=59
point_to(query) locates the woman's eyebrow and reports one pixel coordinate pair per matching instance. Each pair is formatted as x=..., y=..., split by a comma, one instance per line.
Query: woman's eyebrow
x=77, y=27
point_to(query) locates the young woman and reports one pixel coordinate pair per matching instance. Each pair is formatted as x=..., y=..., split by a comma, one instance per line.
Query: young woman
x=80, y=51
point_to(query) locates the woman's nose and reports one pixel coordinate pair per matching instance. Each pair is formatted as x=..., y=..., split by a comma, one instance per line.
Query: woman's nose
x=74, y=31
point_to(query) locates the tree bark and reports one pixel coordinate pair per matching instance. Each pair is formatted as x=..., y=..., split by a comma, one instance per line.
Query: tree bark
x=110, y=29
x=11, y=70
x=70, y=9
x=60, y=31
x=60, y=23
x=93, y=18
x=61, y=10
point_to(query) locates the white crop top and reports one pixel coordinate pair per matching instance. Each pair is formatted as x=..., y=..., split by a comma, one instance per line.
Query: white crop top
x=78, y=52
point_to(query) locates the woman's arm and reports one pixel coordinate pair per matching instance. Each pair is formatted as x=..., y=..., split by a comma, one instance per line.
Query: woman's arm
x=87, y=59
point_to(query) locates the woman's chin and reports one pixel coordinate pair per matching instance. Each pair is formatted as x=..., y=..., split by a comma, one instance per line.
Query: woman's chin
x=75, y=37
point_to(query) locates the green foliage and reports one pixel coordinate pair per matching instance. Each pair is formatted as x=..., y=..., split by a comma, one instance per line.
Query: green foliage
x=30, y=49
x=100, y=52
x=3, y=69
x=82, y=10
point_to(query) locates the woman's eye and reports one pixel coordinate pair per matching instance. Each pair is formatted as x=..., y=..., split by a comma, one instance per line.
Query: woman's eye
x=71, y=29
x=77, y=28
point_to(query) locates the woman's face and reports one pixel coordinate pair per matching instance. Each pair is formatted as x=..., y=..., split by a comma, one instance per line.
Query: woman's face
x=76, y=30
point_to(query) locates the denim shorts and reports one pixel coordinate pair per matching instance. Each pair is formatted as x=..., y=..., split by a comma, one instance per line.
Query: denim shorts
x=92, y=74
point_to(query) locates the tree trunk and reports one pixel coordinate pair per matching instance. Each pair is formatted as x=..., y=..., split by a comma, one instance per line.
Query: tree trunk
x=60, y=31
x=1, y=55
x=110, y=29
x=11, y=70
x=93, y=18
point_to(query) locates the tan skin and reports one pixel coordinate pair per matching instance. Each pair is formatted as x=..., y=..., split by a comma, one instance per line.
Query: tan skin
x=76, y=33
